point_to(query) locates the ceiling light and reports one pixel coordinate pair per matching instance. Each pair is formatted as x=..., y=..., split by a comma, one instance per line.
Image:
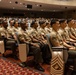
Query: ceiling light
x=16, y=2
x=25, y=6
x=37, y=5
x=20, y=3
x=41, y=10
x=13, y=7
x=10, y=2
x=54, y=10
x=40, y=5
x=0, y=0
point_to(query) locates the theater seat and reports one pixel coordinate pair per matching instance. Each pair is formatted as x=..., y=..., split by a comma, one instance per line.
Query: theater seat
x=23, y=50
x=68, y=62
x=65, y=50
x=70, y=65
x=7, y=47
x=59, y=54
x=2, y=50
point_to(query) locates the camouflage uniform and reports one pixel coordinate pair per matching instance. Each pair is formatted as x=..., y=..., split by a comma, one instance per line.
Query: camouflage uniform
x=55, y=39
x=46, y=54
x=24, y=38
x=48, y=30
x=42, y=31
x=8, y=41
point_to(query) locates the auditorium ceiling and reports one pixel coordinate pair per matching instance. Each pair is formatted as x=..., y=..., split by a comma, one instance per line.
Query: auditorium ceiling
x=38, y=5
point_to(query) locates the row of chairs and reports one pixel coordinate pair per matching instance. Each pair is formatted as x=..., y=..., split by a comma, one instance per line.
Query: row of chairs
x=23, y=51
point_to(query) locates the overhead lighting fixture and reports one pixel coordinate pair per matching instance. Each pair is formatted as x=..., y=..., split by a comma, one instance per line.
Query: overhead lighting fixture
x=16, y=2
x=20, y=3
x=42, y=10
x=10, y=2
x=0, y=0
x=13, y=7
x=54, y=10
x=40, y=5
x=37, y=5
x=25, y=6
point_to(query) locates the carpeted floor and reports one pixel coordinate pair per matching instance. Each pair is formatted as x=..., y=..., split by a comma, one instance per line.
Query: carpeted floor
x=10, y=68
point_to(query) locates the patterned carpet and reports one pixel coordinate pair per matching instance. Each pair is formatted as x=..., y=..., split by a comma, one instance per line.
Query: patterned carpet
x=9, y=68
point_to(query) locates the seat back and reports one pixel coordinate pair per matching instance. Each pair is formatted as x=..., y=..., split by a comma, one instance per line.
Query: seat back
x=16, y=37
x=23, y=49
x=48, y=41
x=65, y=52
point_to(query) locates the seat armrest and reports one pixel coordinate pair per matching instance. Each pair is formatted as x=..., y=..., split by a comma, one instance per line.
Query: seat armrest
x=24, y=43
x=59, y=48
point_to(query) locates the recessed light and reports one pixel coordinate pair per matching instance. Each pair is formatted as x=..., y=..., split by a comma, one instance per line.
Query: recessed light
x=16, y=2
x=0, y=0
x=20, y=3
x=54, y=10
x=42, y=10
x=37, y=5
x=10, y=2
x=25, y=6
x=13, y=7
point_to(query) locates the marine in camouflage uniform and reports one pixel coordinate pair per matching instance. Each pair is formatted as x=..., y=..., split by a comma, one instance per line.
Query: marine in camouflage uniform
x=33, y=47
x=8, y=40
x=38, y=38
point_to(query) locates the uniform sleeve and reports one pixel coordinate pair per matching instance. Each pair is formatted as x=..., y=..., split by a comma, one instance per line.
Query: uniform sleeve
x=73, y=32
x=21, y=38
x=54, y=40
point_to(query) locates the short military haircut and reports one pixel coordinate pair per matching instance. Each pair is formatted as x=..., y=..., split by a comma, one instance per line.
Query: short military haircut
x=4, y=21
x=33, y=22
x=22, y=23
x=41, y=22
x=15, y=22
x=62, y=20
x=47, y=23
x=53, y=21
x=69, y=20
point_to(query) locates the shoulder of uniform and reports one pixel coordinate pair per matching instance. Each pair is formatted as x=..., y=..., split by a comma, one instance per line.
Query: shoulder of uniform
x=53, y=33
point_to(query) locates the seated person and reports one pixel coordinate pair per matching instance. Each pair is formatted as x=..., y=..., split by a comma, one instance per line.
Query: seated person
x=65, y=34
x=42, y=30
x=48, y=28
x=55, y=40
x=38, y=38
x=33, y=47
x=8, y=40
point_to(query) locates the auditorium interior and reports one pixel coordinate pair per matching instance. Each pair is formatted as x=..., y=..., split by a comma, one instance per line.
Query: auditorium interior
x=37, y=37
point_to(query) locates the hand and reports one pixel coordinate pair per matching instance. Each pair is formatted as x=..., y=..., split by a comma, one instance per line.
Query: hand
x=34, y=44
x=75, y=44
x=45, y=41
x=72, y=48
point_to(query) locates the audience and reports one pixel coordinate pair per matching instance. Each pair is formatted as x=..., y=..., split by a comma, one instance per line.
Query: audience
x=32, y=31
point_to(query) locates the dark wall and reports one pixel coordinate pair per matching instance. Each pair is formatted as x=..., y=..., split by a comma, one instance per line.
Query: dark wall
x=21, y=13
